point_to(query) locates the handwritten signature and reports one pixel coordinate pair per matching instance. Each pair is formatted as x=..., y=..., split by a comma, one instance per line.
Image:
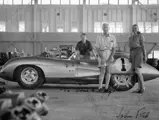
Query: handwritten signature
x=78, y=90
x=141, y=113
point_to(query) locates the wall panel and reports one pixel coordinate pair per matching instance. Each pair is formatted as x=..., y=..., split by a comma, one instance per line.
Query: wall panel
x=124, y=20
x=90, y=22
x=158, y=13
x=119, y=15
x=128, y=19
x=138, y=14
x=100, y=16
x=67, y=19
x=28, y=17
x=8, y=20
x=153, y=17
x=105, y=15
x=52, y=19
x=38, y=19
x=114, y=15
x=143, y=14
x=109, y=15
x=148, y=15
x=3, y=14
x=95, y=14
x=85, y=20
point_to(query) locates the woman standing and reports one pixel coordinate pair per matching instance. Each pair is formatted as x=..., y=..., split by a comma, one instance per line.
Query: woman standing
x=137, y=55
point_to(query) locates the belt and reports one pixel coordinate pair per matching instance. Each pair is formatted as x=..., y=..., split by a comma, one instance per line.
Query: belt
x=134, y=48
x=105, y=49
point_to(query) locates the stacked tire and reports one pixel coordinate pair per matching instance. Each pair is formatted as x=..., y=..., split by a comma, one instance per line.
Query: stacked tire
x=3, y=58
x=153, y=62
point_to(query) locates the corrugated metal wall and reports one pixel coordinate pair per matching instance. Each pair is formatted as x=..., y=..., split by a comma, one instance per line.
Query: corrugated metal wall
x=65, y=16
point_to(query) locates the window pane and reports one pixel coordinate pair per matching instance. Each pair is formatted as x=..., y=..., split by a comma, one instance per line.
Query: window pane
x=155, y=27
x=114, y=2
x=143, y=1
x=152, y=1
x=2, y=26
x=93, y=2
x=87, y=2
x=55, y=2
x=130, y=2
x=1, y=1
x=74, y=2
x=97, y=27
x=60, y=30
x=141, y=27
x=112, y=27
x=21, y=26
x=45, y=1
x=45, y=27
x=123, y=2
x=8, y=2
x=74, y=30
x=28, y=1
x=148, y=27
x=65, y=2
x=103, y=1
x=119, y=27
x=39, y=1
x=17, y=2
x=156, y=54
x=81, y=2
x=150, y=55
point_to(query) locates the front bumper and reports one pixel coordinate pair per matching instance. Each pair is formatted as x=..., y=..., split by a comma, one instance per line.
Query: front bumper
x=3, y=75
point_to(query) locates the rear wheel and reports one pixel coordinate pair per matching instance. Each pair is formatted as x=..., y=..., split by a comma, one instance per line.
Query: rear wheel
x=123, y=82
x=29, y=77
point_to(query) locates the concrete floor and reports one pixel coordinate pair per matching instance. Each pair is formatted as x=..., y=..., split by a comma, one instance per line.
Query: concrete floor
x=68, y=102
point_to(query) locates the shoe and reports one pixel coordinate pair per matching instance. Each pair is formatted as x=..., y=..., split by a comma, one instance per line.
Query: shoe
x=139, y=91
x=100, y=89
x=136, y=91
x=107, y=90
x=111, y=89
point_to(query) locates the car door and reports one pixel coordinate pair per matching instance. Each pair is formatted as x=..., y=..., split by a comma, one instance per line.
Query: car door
x=64, y=69
x=54, y=68
x=69, y=70
x=87, y=68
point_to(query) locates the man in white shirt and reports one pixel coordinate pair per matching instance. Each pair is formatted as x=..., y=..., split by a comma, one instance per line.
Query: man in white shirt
x=105, y=47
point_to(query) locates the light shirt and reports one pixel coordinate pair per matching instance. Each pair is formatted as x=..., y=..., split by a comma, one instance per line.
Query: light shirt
x=105, y=43
x=136, y=41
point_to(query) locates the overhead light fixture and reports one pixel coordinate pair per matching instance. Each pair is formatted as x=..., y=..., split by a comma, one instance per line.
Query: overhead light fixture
x=58, y=14
x=105, y=14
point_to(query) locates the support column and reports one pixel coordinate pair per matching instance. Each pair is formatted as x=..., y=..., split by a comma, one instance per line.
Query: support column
x=35, y=27
x=133, y=13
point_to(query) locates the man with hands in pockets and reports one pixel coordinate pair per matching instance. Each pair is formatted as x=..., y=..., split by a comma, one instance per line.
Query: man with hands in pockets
x=105, y=47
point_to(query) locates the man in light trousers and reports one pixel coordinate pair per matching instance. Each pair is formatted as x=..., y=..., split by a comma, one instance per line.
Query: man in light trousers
x=105, y=47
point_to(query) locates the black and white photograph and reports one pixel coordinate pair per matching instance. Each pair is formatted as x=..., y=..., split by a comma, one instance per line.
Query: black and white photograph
x=79, y=59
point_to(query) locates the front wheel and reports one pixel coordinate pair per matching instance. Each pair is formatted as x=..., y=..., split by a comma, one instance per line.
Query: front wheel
x=122, y=82
x=29, y=77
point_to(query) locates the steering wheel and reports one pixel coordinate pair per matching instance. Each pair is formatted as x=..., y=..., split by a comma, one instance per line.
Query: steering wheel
x=73, y=57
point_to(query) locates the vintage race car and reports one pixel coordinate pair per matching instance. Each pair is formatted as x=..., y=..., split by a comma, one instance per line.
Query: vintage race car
x=33, y=72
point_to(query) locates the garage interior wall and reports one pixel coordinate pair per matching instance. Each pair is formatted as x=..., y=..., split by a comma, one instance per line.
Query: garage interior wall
x=41, y=23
